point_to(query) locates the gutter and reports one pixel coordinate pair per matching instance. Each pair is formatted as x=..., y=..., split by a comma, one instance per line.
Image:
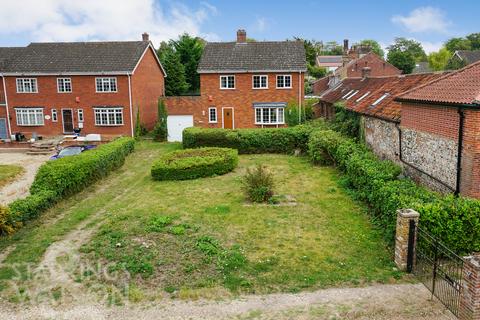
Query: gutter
x=461, y=123
x=6, y=106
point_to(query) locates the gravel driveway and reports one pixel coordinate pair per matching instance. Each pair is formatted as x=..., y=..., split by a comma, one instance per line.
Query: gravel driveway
x=19, y=188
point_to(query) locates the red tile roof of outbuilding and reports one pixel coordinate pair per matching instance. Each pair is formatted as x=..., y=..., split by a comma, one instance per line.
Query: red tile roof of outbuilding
x=376, y=87
x=459, y=87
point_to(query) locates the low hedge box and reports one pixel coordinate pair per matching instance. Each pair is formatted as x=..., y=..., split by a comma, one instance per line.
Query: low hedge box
x=194, y=163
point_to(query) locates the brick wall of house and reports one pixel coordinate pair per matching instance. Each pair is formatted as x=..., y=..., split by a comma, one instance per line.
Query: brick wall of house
x=378, y=67
x=192, y=105
x=83, y=96
x=147, y=87
x=241, y=98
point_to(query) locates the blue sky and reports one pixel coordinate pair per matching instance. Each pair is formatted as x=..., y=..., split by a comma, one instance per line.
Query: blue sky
x=430, y=22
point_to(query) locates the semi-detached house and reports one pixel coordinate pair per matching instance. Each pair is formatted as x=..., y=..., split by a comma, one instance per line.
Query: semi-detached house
x=48, y=89
x=242, y=85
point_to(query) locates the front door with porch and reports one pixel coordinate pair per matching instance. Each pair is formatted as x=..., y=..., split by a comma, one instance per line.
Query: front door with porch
x=228, y=118
x=67, y=119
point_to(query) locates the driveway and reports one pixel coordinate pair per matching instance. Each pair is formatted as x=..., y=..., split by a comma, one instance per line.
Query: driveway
x=19, y=188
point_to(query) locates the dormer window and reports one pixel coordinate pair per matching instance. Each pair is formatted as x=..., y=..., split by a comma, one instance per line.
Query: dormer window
x=227, y=82
x=27, y=85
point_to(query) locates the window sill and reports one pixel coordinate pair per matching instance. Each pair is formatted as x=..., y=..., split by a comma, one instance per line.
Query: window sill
x=227, y=88
x=285, y=88
x=260, y=88
x=109, y=125
x=212, y=121
x=269, y=124
x=30, y=125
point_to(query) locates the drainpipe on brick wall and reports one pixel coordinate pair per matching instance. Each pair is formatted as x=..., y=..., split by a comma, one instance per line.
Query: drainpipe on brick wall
x=131, y=105
x=461, y=122
x=6, y=107
x=400, y=157
x=299, y=97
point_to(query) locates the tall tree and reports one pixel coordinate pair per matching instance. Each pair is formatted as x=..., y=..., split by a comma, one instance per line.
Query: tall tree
x=331, y=48
x=414, y=48
x=175, y=82
x=454, y=44
x=474, y=39
x=375, y=46
x=438, y=60
x=403, y=60
x=189, y=50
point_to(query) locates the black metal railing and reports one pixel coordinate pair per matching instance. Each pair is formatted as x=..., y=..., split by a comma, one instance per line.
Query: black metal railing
x=436, y=266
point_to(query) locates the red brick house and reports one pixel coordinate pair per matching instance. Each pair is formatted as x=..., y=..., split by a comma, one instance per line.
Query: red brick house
x=242, y=85
x=48, y=89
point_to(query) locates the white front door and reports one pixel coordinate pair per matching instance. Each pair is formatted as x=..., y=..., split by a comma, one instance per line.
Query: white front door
x=175, y=126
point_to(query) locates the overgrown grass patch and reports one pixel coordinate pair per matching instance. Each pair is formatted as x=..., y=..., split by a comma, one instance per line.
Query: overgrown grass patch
x=8, y=173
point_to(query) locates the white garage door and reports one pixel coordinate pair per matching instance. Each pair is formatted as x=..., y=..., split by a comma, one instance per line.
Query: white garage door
x=176, y=124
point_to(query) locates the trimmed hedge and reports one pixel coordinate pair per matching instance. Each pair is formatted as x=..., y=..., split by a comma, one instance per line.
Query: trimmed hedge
x=280, y=140
x=456, y=221
x=194, y=163
x=60, y=178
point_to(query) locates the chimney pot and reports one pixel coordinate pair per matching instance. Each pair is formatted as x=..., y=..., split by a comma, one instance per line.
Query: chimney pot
x=345, y=46
x=241, y=36
x=145, y=37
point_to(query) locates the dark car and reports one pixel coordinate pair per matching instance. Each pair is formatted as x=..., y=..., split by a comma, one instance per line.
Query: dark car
x=71, y=151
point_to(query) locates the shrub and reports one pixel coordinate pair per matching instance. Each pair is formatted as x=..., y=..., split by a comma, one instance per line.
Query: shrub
x=258, y=184
x=194, y=163
x=279, y=140
x=160, y=132
x=6, y=226
x=63, y=177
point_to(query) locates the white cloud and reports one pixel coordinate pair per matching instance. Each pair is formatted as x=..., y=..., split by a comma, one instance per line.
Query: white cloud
x=424, y=19
x=431, y=46
x=261, y=24
x=81, y=20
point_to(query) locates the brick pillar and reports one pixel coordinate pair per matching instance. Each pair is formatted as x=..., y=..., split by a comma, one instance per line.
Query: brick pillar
x=401, y=238
x=470, y=294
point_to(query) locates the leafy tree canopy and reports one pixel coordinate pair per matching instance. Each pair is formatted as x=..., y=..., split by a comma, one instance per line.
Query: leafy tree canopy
x=438, y=60
x=403, y=60
x=454, y=44
x=189, y=50
x=175, y=82
x=375, y=46
x=414, y=48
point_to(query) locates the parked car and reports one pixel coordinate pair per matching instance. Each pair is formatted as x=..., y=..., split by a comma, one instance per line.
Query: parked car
x=72, y=151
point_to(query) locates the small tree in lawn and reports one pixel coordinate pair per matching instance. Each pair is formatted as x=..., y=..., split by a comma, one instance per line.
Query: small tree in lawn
x=160, y=132
x=138, y=126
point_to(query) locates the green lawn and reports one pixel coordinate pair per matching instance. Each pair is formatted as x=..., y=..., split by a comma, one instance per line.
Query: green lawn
x=8, y=173
x=200, y=238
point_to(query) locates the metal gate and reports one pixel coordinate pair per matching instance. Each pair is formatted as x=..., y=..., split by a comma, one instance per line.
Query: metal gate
x=436, y=266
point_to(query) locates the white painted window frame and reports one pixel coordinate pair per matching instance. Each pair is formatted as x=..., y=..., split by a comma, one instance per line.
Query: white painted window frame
x=278, y=111
x=80, y=115
x=210, y=114
x=54, y=115
x=260, y=81
x=61, y=83
x=227, y=76
x=19, y=112
x=284, y=77
x=21, y=85
x=106, y=80
x=108, y=111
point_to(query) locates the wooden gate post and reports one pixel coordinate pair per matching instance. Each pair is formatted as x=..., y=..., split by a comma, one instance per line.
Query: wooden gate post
x=404, y=217
x=470, y=291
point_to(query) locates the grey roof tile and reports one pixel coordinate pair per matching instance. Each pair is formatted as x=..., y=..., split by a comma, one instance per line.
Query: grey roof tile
x=65, y=57
x=470, y=56
x=253, y=56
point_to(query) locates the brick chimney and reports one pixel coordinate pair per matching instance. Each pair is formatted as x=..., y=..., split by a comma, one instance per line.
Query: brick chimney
x=145, y=37
x=366, y=71
x=345, y=46
x=241, y=36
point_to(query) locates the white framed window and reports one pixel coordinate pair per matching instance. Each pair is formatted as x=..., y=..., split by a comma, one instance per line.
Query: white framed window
x=227, y=82
x=54, y=115
x=106, y=84
x=64, y=85
x=350, y=96
x=80, y=115
x=212, y=115
x=106, y=116
x=284, y=81
x=380, y=99
x=363, y=97
x=260, y=82
x=27, y=85
x=29, y=116
x=266, y=115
